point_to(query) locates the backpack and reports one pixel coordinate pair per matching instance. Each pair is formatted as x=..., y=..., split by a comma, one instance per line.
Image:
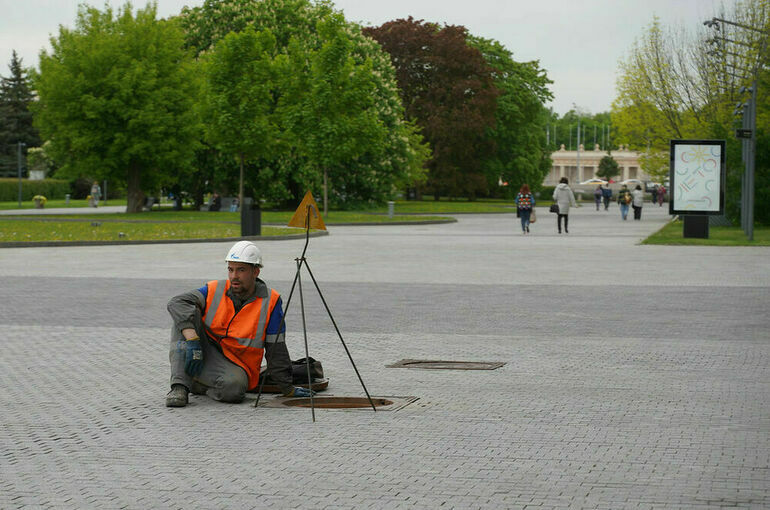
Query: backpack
x=299, y=370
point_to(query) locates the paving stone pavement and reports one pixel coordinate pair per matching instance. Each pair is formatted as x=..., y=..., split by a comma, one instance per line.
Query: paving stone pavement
x=635, y=376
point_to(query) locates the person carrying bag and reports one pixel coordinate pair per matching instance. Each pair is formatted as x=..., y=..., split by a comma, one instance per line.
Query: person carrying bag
x=525, y=204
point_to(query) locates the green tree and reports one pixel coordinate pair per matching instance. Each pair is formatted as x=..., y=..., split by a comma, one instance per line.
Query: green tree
x=378, y=151
x=520, y=155
x=336, y=116
x=15, y=116
x=116, y=100
x=608, y=168
x=240, y=104
x=448, y=90
x=655, y=164
x=673, y=85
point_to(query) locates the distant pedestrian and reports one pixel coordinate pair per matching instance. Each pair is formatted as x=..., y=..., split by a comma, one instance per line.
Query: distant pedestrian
x=564, y=197
x=637, y=200
x=96, y=194
x=661, y=195
x=624, y=201
x=654, y=192
x=524, y=204
x=598, y=196
x=606, y=196
x=216, y=202
x=234, y=205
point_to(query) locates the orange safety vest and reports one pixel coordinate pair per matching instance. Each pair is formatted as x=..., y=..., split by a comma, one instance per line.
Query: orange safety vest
x=241, y=335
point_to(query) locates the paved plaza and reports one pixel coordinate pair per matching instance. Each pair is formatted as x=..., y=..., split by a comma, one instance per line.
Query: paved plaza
x=635, y=376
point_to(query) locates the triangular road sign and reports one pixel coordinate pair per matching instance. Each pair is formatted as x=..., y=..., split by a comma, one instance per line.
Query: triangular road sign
x=300, y=217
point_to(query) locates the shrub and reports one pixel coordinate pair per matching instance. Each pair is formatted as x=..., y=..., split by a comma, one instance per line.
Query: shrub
x=50, y=188
x=545, y=193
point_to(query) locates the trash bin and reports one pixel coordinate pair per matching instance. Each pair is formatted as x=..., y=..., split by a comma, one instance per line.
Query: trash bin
x=251, y=219
x=391, y=207
x=67, y=199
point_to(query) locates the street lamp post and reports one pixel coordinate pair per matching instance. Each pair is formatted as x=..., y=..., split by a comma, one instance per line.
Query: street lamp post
x=577, y=176
x=577, y=163
x=748, y=133
x=19, y=145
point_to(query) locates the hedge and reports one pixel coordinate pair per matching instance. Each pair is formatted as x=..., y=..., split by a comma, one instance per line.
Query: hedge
x=49, y=188
x=546, y=193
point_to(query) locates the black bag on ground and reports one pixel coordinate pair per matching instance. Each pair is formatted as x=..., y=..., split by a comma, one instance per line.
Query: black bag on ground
x=299, y=370
x=554, y=208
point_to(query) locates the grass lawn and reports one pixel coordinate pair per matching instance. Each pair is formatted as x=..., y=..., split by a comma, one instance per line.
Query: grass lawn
x=4, y=206
x=671, y=234
x=430, y=206
x=97, y=230
x=277, y=217
x=164, y=224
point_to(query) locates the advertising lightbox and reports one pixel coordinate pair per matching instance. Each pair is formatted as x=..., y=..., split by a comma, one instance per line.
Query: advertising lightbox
x=697, y=177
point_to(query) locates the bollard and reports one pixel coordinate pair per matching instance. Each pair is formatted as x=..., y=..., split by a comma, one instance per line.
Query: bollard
x=391, y=207
x=67, y=199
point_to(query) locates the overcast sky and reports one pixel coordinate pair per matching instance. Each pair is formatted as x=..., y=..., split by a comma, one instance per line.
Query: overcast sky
x=578, y=42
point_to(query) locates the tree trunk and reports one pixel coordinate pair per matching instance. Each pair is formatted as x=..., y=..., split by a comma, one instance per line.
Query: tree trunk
x=240, y=184
x=326, y=210
x=133, y=188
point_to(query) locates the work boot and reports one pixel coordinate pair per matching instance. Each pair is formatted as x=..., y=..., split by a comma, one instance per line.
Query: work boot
x=177, y=397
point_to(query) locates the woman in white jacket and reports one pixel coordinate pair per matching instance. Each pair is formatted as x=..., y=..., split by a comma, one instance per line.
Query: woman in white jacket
x=564, y=197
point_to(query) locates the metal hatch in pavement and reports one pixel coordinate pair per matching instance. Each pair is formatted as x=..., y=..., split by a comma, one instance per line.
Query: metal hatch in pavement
x=446, y=365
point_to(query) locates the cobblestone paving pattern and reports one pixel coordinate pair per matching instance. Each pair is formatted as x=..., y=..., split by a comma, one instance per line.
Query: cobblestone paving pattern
x=612, y=396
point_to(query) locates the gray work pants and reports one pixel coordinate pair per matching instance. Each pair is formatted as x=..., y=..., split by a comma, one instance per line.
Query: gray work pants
x=223, y=380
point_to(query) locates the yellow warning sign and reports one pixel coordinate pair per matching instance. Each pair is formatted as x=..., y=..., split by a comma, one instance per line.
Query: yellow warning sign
x=307, y=207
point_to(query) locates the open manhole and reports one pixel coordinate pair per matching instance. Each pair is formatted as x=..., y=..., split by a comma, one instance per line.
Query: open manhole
x=446, y=365
x=332, y=402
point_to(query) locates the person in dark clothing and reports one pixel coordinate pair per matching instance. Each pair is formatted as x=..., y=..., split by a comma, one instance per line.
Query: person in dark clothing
x=606, y=196
x=598, y=196
x=216, y=202
x=637, y=201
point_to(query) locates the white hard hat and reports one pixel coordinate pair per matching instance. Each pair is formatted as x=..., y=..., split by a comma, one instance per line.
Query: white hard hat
x=244, y=251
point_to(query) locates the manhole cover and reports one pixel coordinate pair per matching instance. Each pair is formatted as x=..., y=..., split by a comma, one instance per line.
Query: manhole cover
x=337, y=402
x=332, y=402
x=446, y=365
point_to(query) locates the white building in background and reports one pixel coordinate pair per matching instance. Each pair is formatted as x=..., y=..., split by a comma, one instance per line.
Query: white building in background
x=565, y=164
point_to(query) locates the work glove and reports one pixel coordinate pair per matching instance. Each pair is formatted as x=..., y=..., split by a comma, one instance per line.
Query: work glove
x=193, y=356
x=299, y=392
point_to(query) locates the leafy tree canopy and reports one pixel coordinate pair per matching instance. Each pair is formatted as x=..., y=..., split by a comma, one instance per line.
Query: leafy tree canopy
x=521, y=155
x=239, y=101
x=116, y=99
x=675, y=85
x=608, y=168
x=335, y=100
x=15, y=116
x=448, y=89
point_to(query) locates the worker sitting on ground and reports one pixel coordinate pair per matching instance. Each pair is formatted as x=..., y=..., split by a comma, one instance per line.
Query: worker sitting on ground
x=220, y=333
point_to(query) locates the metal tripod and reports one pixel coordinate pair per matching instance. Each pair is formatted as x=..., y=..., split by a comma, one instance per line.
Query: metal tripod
x=298, y=283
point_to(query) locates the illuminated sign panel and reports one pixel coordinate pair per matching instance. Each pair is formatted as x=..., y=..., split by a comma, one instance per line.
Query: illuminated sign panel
x=697, y=177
